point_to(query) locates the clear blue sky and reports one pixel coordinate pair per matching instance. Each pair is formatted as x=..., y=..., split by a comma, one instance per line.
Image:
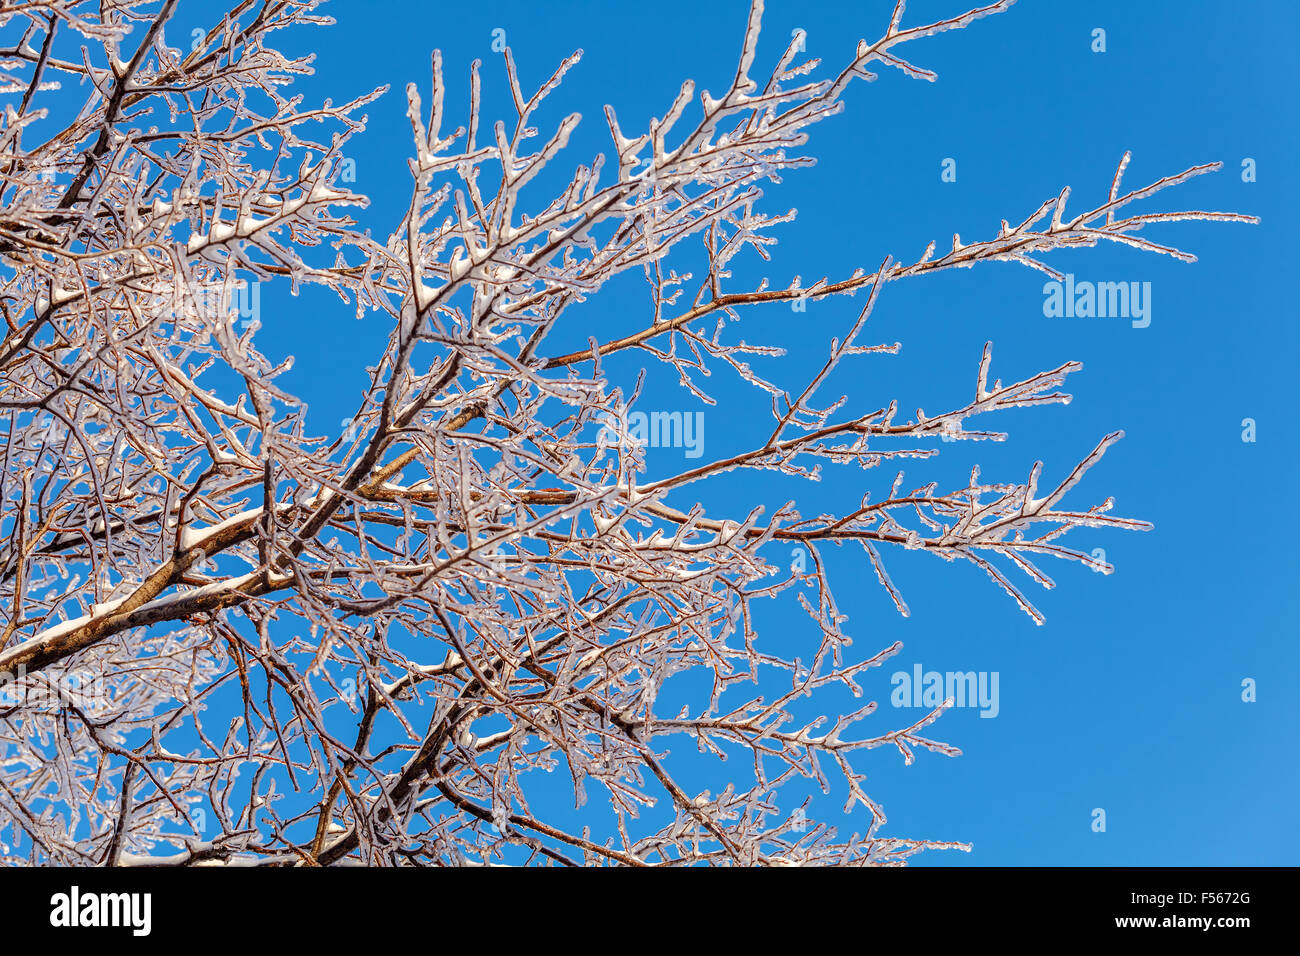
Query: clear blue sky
x=1129, y=698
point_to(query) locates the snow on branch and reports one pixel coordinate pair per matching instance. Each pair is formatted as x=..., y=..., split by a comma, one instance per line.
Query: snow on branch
x=231, y=641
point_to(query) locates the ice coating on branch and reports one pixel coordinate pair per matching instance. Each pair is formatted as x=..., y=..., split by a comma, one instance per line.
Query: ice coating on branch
x=529, y=540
